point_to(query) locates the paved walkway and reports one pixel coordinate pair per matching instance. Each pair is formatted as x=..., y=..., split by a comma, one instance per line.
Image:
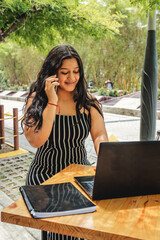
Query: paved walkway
x=12, y=175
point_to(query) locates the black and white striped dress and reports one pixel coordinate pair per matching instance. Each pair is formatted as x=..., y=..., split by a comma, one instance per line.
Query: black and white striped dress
x=64, y=147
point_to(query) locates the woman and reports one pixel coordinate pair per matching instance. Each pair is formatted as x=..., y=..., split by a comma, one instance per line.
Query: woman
x=59, y=116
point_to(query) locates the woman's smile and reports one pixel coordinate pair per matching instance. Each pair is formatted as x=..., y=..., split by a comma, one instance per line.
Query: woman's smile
x=70, y=83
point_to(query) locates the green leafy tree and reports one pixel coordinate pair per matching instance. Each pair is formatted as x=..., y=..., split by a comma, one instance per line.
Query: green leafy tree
x=117, y=55
x=146, y=5
x=19, y=65
x=119, y=58
x=44, y=22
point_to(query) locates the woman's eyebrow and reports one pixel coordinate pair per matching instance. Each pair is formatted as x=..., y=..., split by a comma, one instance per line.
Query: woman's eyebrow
x=67, y=68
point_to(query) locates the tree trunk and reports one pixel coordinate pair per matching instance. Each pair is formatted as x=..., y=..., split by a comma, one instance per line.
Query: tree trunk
x=149, y=84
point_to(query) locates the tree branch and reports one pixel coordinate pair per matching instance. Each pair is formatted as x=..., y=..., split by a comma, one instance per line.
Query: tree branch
x=12, y=28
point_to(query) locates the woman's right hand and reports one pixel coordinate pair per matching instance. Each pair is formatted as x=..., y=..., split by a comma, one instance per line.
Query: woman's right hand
x=50, y=88
x=37, y=139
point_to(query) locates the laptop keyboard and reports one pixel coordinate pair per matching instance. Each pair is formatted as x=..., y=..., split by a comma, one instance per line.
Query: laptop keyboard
x=88, y=185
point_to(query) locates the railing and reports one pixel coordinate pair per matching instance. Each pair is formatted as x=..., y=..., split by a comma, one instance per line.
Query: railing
x=15, y=127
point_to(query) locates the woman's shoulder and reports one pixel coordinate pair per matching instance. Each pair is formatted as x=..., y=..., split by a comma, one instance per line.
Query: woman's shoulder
x=95, y=105
x=30, y=98
x=91, y=96
x=32, y=95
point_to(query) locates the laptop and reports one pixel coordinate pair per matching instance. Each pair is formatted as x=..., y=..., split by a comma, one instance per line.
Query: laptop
x=124, y=169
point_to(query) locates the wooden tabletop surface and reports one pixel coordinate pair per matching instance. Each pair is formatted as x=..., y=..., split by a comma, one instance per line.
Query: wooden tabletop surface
x=121, y=218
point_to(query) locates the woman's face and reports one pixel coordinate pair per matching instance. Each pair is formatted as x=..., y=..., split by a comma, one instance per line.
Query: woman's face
x=68, y=74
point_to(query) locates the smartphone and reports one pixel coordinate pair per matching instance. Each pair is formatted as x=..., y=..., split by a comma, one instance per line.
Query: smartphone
x=56, y=86
x=55, y=89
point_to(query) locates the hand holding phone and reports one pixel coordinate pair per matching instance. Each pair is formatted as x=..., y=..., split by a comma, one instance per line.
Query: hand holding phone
x=51, y=85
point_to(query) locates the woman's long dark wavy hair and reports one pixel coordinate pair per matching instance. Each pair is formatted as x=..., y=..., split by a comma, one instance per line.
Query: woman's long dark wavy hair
x=52, y=63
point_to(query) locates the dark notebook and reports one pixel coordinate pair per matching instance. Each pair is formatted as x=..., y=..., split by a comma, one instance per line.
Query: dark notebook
x=54, y=200
x=124, y=169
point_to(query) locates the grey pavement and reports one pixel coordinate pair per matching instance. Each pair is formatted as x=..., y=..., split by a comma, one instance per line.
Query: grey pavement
x=13, y=169
x=14, y=232
x=12, y=174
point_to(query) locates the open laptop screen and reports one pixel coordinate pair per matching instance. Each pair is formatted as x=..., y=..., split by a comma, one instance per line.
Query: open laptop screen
x=127, y=169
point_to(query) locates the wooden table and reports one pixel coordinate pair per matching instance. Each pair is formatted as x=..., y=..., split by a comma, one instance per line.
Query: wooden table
x=123, y=218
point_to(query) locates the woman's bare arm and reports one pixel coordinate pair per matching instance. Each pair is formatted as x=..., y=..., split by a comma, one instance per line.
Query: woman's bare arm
x=98, y=130
x=37, y=139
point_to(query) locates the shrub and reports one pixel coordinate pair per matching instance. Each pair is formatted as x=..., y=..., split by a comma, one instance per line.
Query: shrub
x=4, y=87
x=103, y=92
x=124, y=92
x=16, y=87
x=93, y=90
x=25, y=87
x=158, y=94
x=114, y=93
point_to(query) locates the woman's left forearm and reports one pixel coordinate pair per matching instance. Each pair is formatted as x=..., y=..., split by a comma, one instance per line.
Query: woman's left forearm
x=98, y=140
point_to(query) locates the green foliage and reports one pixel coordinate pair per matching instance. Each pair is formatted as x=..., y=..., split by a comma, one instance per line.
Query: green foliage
x=47, y=22
x=15, y=88
x=103, y=92
x=93, y=90
x=114, y=93
x=107, y=92
x=118, y=57
x=20, y=65
x=125, y=92
x=146, y=5
x=25, y=87
x=158, y=94
x=100, y=14
x=3, y=80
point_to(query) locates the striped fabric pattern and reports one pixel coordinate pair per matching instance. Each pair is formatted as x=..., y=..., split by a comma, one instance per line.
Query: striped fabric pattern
x=64, y=147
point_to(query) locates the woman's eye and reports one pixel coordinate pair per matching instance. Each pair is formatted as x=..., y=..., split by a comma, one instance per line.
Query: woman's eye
x=64, y=73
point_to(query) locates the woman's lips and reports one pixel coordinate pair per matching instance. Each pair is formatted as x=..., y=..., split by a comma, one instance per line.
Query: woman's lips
x=69, y=83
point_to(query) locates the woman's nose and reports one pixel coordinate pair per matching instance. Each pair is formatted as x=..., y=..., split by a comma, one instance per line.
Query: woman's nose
x=71, y=76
